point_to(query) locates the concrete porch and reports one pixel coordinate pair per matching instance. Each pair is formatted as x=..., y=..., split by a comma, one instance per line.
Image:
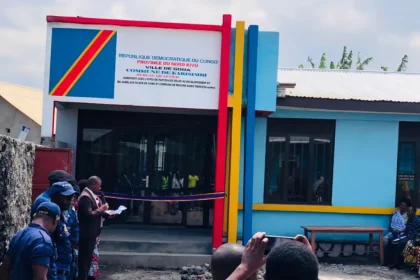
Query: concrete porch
x=154, y=246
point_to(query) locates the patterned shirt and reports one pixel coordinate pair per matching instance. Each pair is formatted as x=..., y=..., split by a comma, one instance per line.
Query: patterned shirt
x=412, y=228
x=397, y=222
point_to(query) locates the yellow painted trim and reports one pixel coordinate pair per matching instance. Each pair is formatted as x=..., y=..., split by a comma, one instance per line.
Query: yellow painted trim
x=227, y=179
x=236, y=132
x=230, y=101
x=321, y=209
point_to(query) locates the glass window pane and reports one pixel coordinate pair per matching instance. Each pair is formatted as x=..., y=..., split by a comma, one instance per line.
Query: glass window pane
x=275, y=169
x=131, y=157
x=406, y=170
x=298, y=163
x=96, y=156
x=321, y=179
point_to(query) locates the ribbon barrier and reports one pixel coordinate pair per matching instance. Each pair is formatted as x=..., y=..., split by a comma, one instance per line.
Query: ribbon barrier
x=195, y=197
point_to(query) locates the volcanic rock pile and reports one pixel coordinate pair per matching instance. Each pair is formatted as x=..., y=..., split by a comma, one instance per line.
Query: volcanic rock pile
x=16, y=170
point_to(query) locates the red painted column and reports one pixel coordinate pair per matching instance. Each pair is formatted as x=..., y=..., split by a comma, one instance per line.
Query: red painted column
x=218, y=213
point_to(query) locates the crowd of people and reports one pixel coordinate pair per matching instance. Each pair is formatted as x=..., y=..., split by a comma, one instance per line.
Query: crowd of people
x=293, y=260
x=402, y=243
x=62, y=240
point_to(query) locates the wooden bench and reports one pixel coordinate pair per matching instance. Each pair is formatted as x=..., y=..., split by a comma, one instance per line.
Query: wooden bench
x=314, y=230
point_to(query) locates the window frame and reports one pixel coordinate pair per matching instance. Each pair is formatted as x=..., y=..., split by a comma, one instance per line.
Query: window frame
x=296, y=127
x=416, y=196
x=409, y=132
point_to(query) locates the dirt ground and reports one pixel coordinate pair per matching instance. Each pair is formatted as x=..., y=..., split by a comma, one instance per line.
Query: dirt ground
x=328, y=272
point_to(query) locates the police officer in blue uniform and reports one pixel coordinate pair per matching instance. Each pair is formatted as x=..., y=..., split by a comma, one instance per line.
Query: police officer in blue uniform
x=62, y=193
x=54, y=177
x=72, y=223
x=31, y=250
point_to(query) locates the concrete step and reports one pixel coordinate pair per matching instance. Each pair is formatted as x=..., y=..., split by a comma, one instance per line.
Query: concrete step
x=182, y=247
x=152, y=260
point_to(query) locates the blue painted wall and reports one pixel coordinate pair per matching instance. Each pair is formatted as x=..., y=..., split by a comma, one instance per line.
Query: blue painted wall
x=267, y=65
x=259, y=161
x=365, y=163
x=289, y=223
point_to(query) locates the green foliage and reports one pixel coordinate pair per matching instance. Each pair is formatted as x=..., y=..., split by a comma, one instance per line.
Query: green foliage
x=403, y=64
x=338, y=66
x=323, y=62
x=310, y=60
x=346, y=61
x=361, y=65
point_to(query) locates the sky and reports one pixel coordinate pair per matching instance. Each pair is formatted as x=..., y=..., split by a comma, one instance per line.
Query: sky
x=383, y=29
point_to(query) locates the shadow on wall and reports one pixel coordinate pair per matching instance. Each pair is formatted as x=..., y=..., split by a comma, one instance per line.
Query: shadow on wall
x=16, y=170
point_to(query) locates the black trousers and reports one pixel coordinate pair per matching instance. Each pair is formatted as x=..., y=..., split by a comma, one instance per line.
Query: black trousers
x=393, y=253
x=86, y=247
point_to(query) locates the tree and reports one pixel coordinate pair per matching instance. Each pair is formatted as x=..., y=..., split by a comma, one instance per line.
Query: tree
x=323, y=62
x=402, y=67
x=346, y=61
x=311, y=62
x=361, y=65
x=403, y=64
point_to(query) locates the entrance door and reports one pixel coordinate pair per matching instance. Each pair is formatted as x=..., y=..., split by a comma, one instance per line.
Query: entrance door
x=150, y=155
x=183, y=164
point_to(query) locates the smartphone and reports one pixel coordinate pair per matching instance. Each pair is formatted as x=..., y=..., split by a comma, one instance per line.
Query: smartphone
x=276, y=240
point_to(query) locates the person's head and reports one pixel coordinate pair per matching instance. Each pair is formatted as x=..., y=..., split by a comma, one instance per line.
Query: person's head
x=82, y=184
x=404, y=204
x=62, y=194
x=412, y=211
x=225, y=260
x=47, y=215
x=293, y=261
x=94, y=183
x=61, y=176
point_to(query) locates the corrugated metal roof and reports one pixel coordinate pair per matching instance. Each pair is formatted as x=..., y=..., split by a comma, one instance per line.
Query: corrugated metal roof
x=25, y=99
x=351, y=84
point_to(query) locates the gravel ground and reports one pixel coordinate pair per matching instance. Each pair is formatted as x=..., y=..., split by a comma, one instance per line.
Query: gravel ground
x=328, y=271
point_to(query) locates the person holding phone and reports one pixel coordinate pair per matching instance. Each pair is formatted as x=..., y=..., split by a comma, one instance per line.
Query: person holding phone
x=290, y=260
x=90, y=212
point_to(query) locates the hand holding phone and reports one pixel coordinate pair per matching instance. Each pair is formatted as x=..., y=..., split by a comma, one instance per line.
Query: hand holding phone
x=276, y=240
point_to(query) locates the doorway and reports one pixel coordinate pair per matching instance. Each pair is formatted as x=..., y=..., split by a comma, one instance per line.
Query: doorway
x=148, y=154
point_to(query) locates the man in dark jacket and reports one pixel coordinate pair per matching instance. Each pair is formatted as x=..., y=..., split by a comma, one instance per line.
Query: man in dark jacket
x=90, y=220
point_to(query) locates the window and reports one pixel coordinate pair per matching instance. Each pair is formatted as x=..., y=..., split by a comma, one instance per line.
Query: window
x=408, y=172
x=299, y=161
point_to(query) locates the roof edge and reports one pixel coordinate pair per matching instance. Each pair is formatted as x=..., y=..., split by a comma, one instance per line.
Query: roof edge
x=347, y=71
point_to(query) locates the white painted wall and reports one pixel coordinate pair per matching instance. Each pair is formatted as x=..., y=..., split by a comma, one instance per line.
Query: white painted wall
x=66, y=131
x=11, y=118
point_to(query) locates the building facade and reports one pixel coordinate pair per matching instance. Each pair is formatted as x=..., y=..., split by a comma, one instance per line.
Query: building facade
x=340, y=149
x=20, y=110
x=145, y=107
x=319, y=148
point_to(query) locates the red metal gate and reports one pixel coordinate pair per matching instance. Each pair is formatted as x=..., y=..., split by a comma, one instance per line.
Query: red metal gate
x=46, y=161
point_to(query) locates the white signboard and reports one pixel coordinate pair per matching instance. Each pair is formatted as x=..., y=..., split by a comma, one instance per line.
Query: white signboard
x=170, y=65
